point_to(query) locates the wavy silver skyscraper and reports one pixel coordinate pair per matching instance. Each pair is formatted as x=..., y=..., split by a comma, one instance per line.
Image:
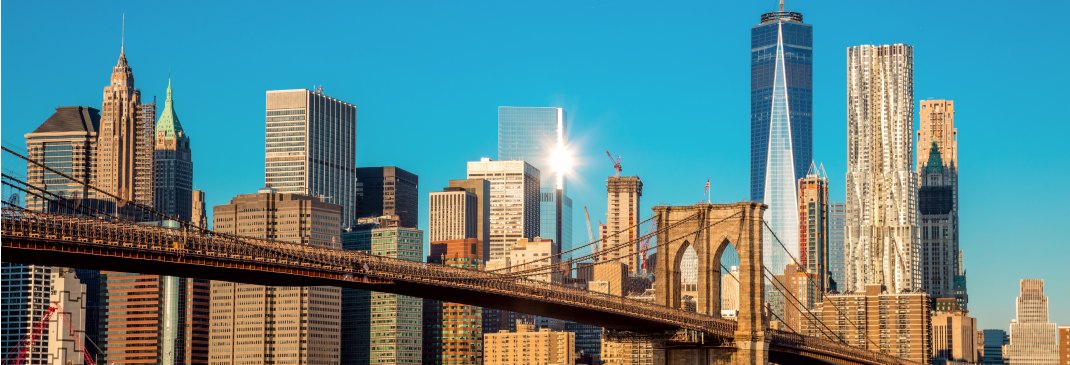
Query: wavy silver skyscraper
x=881, y=246
x=781, y=125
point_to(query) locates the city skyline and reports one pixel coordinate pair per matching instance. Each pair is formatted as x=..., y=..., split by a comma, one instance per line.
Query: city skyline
x=594, y=125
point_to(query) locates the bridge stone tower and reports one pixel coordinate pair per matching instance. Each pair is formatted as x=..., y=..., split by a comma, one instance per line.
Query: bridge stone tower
x=709, y=229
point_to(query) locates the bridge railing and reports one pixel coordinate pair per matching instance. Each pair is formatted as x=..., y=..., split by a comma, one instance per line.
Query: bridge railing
x=821, y=345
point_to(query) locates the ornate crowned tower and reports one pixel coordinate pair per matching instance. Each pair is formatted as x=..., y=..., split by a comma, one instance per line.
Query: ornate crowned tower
x=174, y=164
x=125, y=153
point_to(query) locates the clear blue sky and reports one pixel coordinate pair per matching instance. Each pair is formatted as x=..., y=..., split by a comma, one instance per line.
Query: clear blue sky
x=664, y=86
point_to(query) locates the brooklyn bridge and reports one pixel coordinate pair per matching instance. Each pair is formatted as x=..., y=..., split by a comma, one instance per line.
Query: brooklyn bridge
x=72, y=233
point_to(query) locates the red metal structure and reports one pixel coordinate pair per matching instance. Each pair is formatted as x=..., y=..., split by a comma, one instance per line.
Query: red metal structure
x=23, y=351
x=616, y=163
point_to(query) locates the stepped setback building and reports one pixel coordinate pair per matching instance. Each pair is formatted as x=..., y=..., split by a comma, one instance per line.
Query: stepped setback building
x=125, y=148
x=1033, y=339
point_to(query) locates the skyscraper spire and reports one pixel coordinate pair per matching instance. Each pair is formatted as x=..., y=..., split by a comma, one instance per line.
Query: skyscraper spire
x=122, y=38
x=781, y=6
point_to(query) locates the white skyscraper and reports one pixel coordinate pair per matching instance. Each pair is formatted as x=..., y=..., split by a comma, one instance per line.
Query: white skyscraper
x=311, y=147
x=453, y=215
x=514, y=202
x=1034, y=340
x=881, y=245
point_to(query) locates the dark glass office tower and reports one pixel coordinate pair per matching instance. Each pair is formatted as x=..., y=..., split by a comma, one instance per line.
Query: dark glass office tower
x=781, y=38
x=388, y=190
x=781, y=144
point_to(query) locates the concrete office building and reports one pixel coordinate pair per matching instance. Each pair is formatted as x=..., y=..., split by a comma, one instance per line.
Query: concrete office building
x=388, y=191
x=954, y=337
x=125, y=148
x=539, y=136
x=527, y=346
x=311, y=147
x=1033, y=339
x=533, y=254
x=804, y=297
x=453, y=215
x=514, y=202
x=396, y=320
x=174, y=164
x=813, y=229
x=268, y=324
x=198, y=217
x=622, y=219
x=1064, y=345
x=481, y=189
x=881, y=244
x=453, y=333
x=896, y=324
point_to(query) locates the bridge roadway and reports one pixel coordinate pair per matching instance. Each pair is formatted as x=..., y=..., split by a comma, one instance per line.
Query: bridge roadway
x=84, y=242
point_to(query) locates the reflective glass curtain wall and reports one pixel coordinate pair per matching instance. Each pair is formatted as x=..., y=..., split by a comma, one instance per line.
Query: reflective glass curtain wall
x=533, y=134
x=781, y=125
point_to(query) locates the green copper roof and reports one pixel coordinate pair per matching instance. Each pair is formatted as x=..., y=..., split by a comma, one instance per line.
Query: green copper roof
x=168, y=123
x=935, y=164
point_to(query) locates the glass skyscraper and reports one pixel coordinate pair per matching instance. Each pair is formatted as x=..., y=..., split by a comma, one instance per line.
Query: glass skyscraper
x=534, y=135
x=837, y=225
x=781, y=125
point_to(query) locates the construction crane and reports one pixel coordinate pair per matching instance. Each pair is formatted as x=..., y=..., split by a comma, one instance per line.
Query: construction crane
x=616, y=163
x=645, y=246
x=590, y=234
x=22, y=353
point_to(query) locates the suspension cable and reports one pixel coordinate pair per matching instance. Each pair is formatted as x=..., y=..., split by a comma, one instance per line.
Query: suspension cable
x=838, y=309
x=784, y=289
x=579, y=260
x=561, y=254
